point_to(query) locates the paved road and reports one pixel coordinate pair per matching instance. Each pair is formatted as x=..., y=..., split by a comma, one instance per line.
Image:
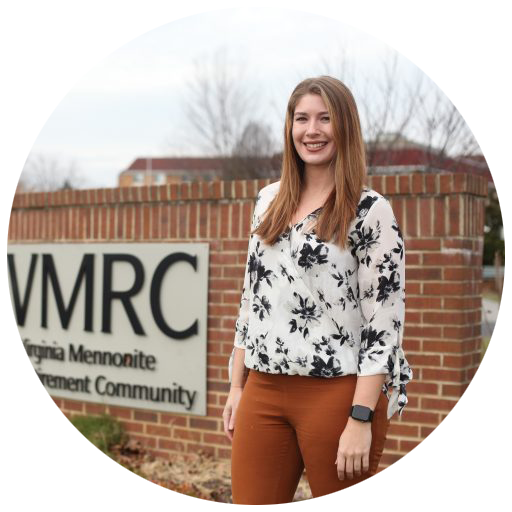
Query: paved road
x=489, y=314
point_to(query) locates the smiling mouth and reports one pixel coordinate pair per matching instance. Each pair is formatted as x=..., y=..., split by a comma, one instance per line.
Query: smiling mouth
x=315, y=145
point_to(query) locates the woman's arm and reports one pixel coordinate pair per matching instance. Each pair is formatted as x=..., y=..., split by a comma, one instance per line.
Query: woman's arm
x=238, y=378
x=240, y=371
x=380, y=250
x=236, y=368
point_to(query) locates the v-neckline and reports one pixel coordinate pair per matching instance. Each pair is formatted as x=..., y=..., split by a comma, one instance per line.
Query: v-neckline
x=291, y=226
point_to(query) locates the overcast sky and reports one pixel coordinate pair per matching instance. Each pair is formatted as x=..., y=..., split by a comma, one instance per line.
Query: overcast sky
x=132, y=103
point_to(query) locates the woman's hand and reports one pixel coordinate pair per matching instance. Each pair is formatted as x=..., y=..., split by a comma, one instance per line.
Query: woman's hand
x=229, y=413
x=354, y=449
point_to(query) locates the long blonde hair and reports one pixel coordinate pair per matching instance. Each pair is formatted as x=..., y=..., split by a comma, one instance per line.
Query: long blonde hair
x=349, y=166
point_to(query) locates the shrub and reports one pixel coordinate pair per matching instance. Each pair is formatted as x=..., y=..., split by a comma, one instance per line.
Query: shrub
x=141, y=492
x=83, y=435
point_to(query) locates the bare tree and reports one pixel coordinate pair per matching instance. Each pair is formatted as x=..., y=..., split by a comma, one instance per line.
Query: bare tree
x=48, y=173
x=395, y=111
x=387, y=110
x=221, y=111
x=44, y=173
x=39, y=173
x=219, y=104
x=462, y=119
x=256, y=140
x=251, y=156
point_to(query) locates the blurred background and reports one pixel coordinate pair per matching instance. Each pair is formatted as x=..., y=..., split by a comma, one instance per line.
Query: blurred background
x=204, y=98
x=126, y=97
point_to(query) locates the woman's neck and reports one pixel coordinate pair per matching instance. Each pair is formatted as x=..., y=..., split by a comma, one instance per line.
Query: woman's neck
x=318, y=181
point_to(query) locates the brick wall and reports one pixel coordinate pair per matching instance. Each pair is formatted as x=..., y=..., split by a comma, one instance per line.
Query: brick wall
x=441, y=217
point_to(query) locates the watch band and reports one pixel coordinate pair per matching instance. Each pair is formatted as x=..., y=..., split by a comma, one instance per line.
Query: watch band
x=361, y=413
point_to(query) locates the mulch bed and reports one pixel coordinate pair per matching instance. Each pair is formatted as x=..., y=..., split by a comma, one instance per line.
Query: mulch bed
x=213, y=478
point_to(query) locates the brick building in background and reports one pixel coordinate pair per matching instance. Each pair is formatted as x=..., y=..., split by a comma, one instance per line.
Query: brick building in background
x=441, y=216
x=391, y=155
x=395, y=154
x=164, y=170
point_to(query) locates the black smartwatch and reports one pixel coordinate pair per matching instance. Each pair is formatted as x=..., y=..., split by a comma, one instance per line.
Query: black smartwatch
x=361, y=413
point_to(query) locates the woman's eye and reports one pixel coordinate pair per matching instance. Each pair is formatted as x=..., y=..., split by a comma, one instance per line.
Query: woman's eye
x=300, y=118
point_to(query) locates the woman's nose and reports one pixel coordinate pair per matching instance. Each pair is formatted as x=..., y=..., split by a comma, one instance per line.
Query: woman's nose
x=312, y=127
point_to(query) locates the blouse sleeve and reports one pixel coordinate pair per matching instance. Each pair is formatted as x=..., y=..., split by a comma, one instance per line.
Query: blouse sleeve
x=242, y=321
x=381, y=281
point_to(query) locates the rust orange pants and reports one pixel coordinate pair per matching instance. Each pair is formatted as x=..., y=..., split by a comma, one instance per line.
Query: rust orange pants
x=285, y=423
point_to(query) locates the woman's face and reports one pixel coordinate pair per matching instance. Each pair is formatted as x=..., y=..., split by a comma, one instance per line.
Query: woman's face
x=312, y=131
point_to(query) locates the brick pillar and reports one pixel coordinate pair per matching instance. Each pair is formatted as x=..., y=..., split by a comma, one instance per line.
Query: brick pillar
x=442, y=217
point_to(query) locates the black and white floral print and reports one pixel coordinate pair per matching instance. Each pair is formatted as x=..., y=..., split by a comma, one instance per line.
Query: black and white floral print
x=257, y=270
x=309, y=256
x=310, y=308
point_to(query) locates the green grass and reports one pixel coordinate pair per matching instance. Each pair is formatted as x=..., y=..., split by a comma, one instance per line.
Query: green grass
x=35, y=454
x=492, y=388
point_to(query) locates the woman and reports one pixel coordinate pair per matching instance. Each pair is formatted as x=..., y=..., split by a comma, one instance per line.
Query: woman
x=318, y=338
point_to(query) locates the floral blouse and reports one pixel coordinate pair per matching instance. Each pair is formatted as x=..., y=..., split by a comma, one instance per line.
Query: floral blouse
x=310, y=308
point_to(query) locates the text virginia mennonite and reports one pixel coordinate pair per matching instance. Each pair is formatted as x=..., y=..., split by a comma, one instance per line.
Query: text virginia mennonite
x=136, y=359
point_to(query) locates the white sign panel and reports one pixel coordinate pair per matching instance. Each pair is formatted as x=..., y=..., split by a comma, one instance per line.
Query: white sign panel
x=117, y=324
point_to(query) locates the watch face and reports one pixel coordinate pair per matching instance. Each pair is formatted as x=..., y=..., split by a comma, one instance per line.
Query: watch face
x=361, y=413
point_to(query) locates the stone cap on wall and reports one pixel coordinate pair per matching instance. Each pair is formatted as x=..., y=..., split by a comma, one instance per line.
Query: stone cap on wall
x=414, y=183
